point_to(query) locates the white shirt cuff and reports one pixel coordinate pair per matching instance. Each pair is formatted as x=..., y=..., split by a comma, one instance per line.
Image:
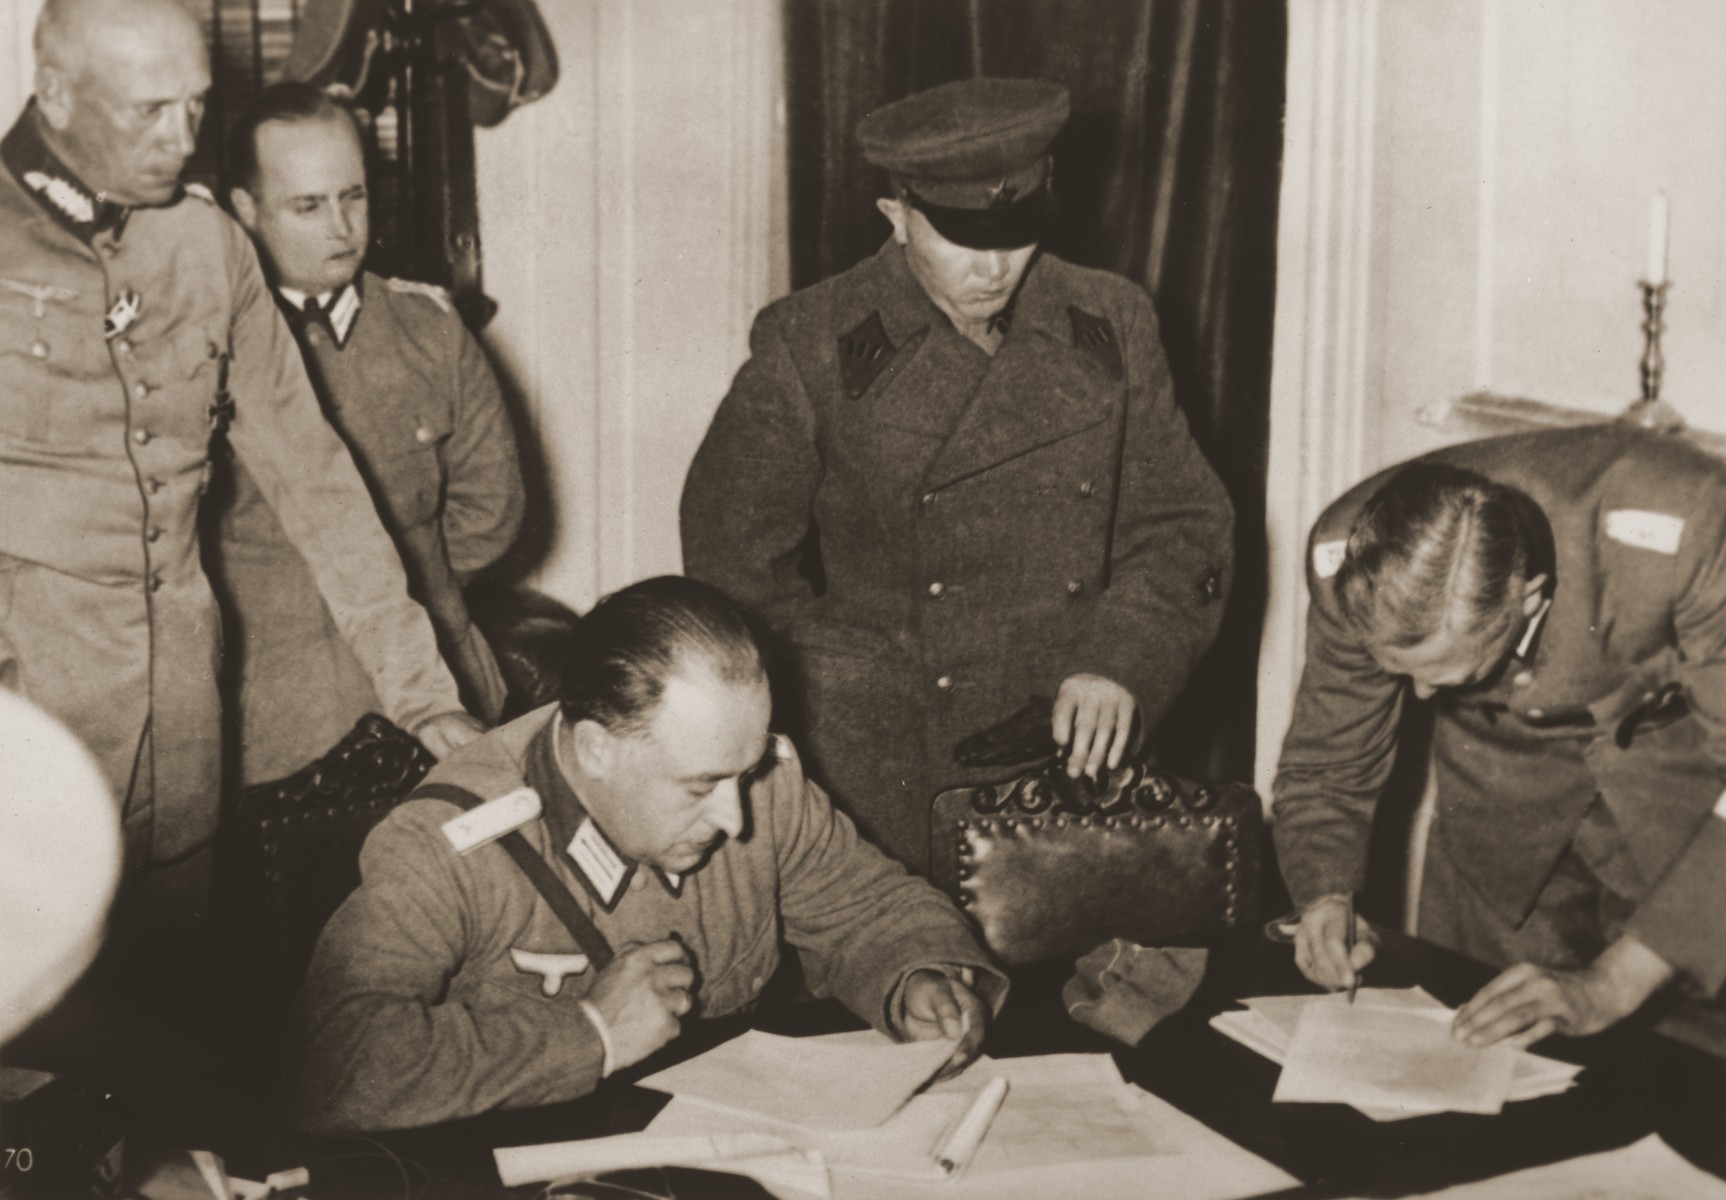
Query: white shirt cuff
x=604, y=1031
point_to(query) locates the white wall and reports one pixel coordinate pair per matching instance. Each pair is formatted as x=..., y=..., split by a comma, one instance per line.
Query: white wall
x=17, y=63
x=1465, y=208
x=633, y=222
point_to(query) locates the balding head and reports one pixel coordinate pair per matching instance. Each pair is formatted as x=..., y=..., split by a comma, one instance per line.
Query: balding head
x=120, y=85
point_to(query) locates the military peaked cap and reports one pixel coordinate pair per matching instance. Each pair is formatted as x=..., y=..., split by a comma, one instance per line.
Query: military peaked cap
x=973, y=156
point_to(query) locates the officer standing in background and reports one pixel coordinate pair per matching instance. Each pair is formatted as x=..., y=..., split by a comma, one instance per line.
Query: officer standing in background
x=982, y=441
x=133, y=321
x=1561, y=598
x=411, y=393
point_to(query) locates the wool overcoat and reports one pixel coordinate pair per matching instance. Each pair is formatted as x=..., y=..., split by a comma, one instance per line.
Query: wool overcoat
x=446, y=985
x=106, y=616
x=1620, y=693
x=986, y=525
x=411, y=394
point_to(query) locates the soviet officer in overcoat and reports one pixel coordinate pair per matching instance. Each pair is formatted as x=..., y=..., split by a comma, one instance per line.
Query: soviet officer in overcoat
x=1560, y=597
x=982, y=442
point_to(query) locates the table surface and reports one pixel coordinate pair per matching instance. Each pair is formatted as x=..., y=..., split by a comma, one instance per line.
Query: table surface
x=1636, y=1082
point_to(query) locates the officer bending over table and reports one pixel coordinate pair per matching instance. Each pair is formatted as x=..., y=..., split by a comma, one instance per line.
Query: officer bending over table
x=688, y=840
x=1561, y=598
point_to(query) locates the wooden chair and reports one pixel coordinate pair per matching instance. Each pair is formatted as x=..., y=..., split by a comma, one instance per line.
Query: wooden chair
x=1049, y=866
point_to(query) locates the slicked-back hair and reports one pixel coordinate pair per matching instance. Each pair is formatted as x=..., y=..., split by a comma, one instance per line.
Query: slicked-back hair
x=290, y=101
x=1438, y=550
x=635, y=640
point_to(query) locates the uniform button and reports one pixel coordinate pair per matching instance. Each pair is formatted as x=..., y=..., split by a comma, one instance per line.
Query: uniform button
x=39, y=348
x=937, y=589
x=637, y=881
x=928, y=499
x=756, y=984
x=1537, y=713
x=155, y=583
x=1086, y=488
x=424, y=436
x=1075, y=586
x=945, y=683
x=124, y=345
x=140, y=390
x=152, y=486
x=110, y=249
x=141, y=436
x=1522, y=678
x=154, y=534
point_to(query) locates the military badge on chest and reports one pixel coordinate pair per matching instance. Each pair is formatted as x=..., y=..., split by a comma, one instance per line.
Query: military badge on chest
x=122, y=314
x=552, y=969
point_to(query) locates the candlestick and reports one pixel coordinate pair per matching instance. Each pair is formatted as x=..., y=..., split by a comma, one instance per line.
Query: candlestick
x=1658, y=212
x=1651, y=412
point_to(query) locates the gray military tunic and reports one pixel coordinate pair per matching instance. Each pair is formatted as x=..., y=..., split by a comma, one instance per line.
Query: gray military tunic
x=987, y=525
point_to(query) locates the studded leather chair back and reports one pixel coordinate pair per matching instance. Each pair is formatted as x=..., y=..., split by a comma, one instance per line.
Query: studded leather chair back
x=1049, y=866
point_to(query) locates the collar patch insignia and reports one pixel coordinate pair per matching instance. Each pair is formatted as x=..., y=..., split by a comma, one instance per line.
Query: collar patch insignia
x=65, y=196
x=602, y=869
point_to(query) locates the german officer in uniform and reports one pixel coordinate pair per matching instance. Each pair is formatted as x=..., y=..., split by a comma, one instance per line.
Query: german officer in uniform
x=983, y=443
x=450, y=983
x=411, y=394
x=134, y=321
x=1561, y=598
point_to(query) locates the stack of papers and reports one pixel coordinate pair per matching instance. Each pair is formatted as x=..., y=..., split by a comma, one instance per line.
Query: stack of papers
x=1389, y=1054
x=1060, y=1109
x=793, y=1114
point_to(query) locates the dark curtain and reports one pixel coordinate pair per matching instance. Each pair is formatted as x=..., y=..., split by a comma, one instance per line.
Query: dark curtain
x=1168, y=174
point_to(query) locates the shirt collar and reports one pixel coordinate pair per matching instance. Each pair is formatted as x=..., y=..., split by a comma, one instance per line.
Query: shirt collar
x=54, y=185
x=338, y=309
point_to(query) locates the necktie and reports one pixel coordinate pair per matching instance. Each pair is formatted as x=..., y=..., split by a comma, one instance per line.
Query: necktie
x=313, y=313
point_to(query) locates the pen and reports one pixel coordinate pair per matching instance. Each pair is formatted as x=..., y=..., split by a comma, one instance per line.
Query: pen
x=956, y=1151
x=1348, y=948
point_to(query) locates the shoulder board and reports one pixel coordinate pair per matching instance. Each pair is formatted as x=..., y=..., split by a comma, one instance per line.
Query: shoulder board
x=1656, y=531
x=430, y=291
x=1327, y=557
x=864, y=353
x=201, y=192
x=1093, y=335
x=491, y=820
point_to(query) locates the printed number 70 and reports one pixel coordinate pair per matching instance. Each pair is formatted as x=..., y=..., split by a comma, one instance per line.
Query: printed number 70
x=19, y=1159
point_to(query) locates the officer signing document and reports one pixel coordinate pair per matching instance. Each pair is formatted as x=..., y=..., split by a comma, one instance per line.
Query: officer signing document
x=653, y=800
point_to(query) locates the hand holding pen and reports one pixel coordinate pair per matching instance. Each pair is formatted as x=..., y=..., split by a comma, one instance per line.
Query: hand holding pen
x=1333, y=945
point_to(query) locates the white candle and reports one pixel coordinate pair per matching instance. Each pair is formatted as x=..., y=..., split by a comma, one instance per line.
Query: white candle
x=1657, y=214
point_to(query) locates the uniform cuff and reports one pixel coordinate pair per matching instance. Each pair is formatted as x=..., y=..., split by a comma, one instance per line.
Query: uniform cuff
x=609, y=1062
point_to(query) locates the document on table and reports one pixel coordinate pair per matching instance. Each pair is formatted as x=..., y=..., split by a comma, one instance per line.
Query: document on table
x=1269, y=1022
x=1060, y=1109
x=1645, y=1170
x=1393, y=1058
x=1070, y=1126
x=810, y=1083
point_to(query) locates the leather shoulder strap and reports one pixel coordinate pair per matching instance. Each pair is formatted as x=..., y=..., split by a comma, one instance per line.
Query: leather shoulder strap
x=539, y=873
